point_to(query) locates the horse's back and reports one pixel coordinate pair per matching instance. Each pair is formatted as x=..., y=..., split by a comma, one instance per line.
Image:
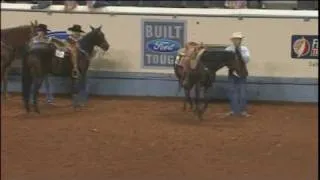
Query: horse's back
x=216, y=55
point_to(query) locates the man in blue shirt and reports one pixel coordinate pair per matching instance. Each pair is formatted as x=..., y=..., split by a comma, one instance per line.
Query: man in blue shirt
x=238, y=99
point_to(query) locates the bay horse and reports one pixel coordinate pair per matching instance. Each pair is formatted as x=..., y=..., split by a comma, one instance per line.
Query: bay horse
x=204, y=74
x=13, y=45
x=42, y=59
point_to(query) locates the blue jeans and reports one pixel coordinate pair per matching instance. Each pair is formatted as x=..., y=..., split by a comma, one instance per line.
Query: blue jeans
x=47, y=89
x=238, y=94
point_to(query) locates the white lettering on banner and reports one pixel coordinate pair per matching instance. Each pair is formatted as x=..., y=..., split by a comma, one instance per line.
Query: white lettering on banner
x=161, y=59
x=315, y=47
x=161, y=31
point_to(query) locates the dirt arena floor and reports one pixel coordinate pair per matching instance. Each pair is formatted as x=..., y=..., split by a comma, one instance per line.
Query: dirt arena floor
x=152, y=139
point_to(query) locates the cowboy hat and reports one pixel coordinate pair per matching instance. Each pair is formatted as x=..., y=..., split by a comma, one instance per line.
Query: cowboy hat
x=42, y=27
x=236, y=35
x=75, y=28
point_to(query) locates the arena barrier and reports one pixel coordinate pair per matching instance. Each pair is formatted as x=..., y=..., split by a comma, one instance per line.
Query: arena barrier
x=283, y=45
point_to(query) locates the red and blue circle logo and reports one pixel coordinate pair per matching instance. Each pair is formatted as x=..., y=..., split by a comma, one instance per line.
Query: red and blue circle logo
x=301, y=47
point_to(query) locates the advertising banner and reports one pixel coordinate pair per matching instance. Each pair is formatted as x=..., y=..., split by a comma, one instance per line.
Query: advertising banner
x=161, y=41
x=304, y=46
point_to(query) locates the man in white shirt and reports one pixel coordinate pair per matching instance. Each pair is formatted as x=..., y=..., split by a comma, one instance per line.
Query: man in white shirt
x=238, y=99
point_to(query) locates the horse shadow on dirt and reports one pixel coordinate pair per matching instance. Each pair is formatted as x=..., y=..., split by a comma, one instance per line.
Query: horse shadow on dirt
x=48, y=112
x=213, y=121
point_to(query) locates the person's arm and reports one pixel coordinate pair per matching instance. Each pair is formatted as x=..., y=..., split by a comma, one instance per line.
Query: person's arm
x=245, y=54
x=229, y=48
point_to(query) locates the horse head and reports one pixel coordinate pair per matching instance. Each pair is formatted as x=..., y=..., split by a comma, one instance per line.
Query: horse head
x=99, y=38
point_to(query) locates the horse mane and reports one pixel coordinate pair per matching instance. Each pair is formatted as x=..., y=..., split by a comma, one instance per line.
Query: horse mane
x=85, y=39
x=86, y=36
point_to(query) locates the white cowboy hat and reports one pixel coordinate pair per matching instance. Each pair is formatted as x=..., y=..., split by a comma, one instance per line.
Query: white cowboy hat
x=236, y=35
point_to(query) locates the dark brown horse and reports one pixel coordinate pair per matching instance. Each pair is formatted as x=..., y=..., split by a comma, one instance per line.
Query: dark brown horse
x=42, y=59
x=13, y=46
x=204, y=74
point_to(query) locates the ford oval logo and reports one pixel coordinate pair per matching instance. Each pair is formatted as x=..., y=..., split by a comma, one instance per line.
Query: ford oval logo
x=163, y=45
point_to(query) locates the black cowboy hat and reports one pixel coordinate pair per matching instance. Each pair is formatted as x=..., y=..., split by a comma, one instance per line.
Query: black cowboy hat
x=76, y=28
x=42, y=27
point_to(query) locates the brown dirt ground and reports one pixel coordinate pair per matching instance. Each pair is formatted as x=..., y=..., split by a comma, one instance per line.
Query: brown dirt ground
x=152, y=139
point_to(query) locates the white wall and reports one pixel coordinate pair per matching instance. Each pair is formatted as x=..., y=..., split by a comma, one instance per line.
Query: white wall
x=269, y=39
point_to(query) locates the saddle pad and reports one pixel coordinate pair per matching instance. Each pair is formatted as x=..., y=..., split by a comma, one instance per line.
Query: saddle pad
x=63, y=35
x=59, y=53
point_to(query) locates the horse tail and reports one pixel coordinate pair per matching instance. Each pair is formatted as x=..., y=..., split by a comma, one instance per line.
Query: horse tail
x=175, y=67
x=26, y=80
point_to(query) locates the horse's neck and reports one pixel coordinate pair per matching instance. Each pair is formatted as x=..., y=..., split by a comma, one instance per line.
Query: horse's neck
x=220, y=67
x=86, y=44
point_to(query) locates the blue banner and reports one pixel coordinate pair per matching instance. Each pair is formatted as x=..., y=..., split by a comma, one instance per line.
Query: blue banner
x=304, y=46
x=161, y=41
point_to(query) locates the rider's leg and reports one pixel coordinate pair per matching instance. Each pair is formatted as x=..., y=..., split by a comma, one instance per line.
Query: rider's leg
x=75, y=70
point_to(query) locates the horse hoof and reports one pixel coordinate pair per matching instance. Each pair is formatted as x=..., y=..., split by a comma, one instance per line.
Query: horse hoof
x=37, y=110
x=200, y=115
x=50, y=102
x=76, y=107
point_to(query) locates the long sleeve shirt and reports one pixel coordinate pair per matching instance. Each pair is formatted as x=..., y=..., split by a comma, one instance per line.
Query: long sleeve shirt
x=243, y=50
x=245, y=57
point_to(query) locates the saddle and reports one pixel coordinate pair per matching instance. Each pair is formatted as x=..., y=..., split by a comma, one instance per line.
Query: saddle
x=190, y=56
x=39, y=45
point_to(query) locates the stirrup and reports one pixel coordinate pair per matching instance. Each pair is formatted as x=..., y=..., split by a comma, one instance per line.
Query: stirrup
x=75, y=74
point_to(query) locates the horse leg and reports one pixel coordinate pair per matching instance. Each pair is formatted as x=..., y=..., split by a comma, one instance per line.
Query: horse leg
x=37, y=84
x=197, y=101
x=179, y=87
x=187, y=99
x=26, y=83
x=205, y=100
x=5, y=84
x=83, y=92
x=75, y=87
x=206, y=86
